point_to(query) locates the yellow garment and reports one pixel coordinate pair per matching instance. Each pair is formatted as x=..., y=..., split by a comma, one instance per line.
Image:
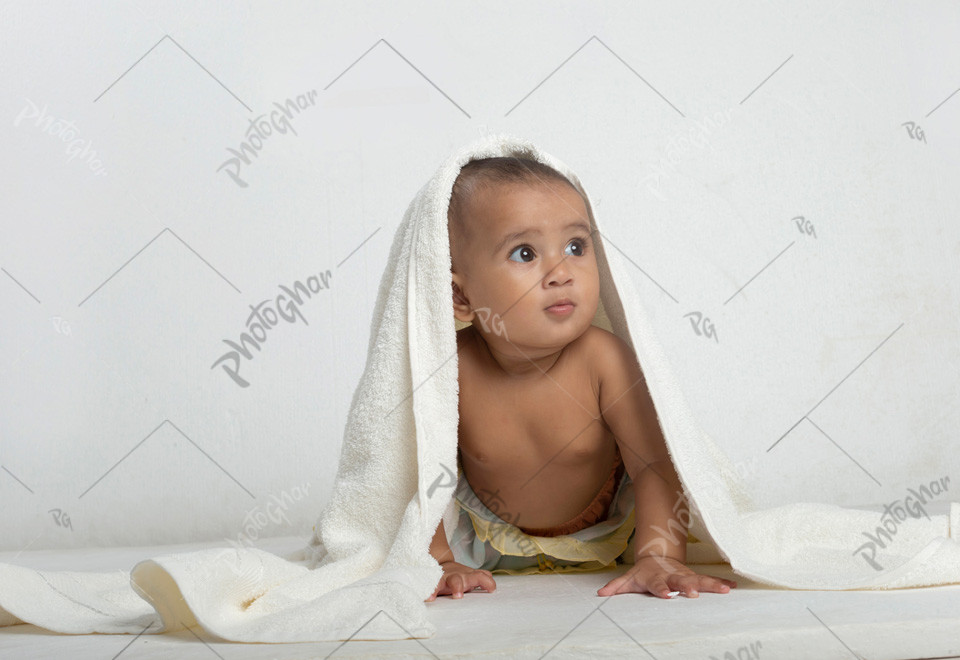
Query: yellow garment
x=482, y=539
x=591, y=555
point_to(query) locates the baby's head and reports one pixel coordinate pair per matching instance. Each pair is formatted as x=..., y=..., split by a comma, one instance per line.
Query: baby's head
x=520, y=242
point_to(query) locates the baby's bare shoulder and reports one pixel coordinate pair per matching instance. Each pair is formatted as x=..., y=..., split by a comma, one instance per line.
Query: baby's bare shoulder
x=609, y=355
x=602, y=343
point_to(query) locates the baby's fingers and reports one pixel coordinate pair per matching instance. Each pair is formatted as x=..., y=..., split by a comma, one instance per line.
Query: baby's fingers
x=691, y=585
x=457, y=584
x=481, y=579
x=661, y=587
x=449, y=585
x=484, y=580
x=715, y=584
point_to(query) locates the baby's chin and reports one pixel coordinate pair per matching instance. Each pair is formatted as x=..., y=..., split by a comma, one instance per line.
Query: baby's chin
x=546, y=337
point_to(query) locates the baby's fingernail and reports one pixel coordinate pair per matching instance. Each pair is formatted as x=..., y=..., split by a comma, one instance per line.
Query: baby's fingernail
x=672, y=594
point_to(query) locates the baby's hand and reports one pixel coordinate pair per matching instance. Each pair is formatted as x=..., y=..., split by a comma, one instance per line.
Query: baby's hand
x=459, y=579
x=660, y=576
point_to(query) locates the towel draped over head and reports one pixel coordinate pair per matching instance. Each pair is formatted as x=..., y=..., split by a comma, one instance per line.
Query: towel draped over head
x=367, y=571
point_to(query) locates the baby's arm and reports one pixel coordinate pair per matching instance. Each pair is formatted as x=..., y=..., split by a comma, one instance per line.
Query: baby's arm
x=457, y=579
x=660, y=543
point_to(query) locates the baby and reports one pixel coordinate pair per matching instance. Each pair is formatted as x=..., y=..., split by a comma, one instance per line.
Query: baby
x=552, y=408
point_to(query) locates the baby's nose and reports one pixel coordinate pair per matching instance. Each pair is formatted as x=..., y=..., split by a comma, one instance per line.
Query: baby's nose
x=560, y=273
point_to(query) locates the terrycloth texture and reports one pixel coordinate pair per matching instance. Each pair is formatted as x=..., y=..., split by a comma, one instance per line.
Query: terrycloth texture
x=367, y=571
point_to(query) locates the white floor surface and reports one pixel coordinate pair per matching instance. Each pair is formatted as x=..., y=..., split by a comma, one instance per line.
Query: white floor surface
x=560, y=616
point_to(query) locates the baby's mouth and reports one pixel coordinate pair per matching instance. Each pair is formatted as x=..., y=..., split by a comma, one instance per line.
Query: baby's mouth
x=563, y=306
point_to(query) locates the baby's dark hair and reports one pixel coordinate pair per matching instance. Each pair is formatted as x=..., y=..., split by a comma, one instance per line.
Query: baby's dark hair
x=488, y=172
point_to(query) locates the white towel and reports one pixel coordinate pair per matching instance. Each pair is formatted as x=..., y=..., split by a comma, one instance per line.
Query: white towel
x=367, y=571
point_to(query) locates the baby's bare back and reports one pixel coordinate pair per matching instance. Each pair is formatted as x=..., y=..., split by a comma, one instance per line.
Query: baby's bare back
x=535, y=450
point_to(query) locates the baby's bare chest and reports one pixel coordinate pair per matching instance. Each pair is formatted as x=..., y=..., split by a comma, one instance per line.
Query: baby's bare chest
x=555, y=418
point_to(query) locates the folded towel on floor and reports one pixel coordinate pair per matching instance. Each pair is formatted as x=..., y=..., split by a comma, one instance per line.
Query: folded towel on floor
x=367, y=570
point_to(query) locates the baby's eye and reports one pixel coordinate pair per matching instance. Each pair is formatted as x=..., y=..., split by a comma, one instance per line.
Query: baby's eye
x=521, y=250
x=578, y=245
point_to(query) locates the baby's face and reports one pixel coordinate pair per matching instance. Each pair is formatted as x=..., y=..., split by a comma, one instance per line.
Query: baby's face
x=529, y=249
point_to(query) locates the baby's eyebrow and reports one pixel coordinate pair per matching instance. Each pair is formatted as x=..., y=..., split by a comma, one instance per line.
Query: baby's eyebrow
x=576, y=224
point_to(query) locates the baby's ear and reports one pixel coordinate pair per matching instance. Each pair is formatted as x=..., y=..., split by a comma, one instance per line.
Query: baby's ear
x=461, y=306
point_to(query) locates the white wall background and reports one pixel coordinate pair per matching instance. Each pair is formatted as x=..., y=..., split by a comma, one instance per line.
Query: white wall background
x=701, y=130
